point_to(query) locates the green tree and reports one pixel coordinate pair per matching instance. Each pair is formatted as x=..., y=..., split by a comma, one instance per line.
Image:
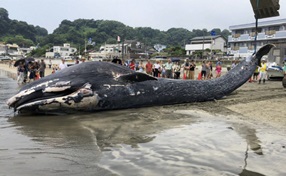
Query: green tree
x=175, y=51
x=225, y=33
x=18, y=39
x=4, y=21
x=178, y=36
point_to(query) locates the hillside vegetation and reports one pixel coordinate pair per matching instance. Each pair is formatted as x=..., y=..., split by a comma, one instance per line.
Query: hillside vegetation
x=78, y=32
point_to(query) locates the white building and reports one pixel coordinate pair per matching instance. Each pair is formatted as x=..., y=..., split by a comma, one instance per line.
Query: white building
x=13, y=50
x=106, y=51
x=206, y=42
x=25, y=51
x=61, y=51
x=3, y=49
x=241, y=41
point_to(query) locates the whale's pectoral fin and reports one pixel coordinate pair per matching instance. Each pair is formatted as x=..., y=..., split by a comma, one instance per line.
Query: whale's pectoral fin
x=136, y=77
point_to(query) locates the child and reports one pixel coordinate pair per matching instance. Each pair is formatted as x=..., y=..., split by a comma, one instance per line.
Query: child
x=218, y=70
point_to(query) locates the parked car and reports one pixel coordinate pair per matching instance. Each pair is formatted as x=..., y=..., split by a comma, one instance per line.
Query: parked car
x=2, y=58
x=275, y=72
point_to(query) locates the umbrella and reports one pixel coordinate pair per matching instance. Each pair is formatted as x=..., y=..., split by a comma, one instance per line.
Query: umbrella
x=17, y=63
x=23, y=60
x=29, y=59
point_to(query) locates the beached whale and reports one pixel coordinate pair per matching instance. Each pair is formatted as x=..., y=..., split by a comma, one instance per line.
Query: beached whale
x=96, y=86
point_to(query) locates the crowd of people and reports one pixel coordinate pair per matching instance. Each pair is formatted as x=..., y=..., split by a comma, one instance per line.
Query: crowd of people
x=175, y=70
x=30, y=71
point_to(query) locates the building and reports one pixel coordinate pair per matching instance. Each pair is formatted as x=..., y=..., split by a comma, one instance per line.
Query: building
x=241, y=41
x=131, y=49
x=107, y=51
x=3, y=49
x=14, y=50
x=25, y=51
x=61, y=51
x=206, y=42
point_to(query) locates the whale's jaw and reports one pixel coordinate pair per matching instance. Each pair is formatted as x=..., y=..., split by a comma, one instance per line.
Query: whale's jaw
x=82, y=99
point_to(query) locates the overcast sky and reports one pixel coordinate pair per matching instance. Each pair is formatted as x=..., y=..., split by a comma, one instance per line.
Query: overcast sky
x=157, y=14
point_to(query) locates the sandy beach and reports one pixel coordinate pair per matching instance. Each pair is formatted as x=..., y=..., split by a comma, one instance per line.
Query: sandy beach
x=259, y=103
x=237, y=135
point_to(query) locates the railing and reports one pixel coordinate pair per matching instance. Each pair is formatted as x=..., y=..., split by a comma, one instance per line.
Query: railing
x=252, y=34
x=235, y=48
x=236, y=35
x=251, y=47
x=271, y=32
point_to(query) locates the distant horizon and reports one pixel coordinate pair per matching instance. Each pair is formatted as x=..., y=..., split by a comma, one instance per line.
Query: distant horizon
x=156, y=14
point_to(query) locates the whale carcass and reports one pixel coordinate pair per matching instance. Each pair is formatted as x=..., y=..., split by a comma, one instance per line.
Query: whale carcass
x=96, y=86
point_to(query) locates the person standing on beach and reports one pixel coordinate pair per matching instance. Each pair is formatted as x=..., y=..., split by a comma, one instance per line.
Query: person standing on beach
x=141, y=67
x=192, y=69
x=262, y=71
x=157, y=68
x=132, y=65
x=218, y=62
x=116, y=60
x=255, y=74
x=32, y=71
x=187, y=69
x=76, y=61
x=168, y=68
x=218, y=70
x=204, y=70
x=284, y=68
x=42, y=68
x=20, y=71
x=177, y=70
x=63, y=65
x=50, y=64
x=149, y=67
x=208, y=70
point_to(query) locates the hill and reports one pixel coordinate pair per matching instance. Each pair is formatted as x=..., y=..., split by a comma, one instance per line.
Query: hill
x=79, y=31
x=22, y=33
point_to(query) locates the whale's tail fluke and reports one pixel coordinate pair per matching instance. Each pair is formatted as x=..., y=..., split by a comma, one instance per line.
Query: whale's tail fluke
x=263, y=51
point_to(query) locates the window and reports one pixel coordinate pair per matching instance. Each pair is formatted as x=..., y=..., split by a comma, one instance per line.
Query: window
x=64, y=49
x=258, y=30
x=275, y=28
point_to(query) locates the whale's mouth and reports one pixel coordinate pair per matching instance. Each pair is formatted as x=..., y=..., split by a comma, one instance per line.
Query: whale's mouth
x=56, y=97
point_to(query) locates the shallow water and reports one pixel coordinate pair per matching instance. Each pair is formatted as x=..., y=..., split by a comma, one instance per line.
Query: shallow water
x=168, y=140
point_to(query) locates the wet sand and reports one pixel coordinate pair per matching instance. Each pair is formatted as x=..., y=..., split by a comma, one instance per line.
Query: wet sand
x=260, y=103
x=238, y=135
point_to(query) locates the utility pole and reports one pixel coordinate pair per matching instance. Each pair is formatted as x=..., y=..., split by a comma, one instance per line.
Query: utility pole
x=203, y=44
x=122, y=51
x=213, y=33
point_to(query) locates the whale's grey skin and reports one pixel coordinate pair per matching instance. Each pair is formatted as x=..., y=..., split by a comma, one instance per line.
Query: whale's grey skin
x=95, y=86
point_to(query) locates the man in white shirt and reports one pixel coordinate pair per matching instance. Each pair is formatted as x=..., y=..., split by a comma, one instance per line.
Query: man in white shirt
x=63, y=65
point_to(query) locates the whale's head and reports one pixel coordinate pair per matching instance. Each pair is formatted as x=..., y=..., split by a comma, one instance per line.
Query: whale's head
x=58, y=96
